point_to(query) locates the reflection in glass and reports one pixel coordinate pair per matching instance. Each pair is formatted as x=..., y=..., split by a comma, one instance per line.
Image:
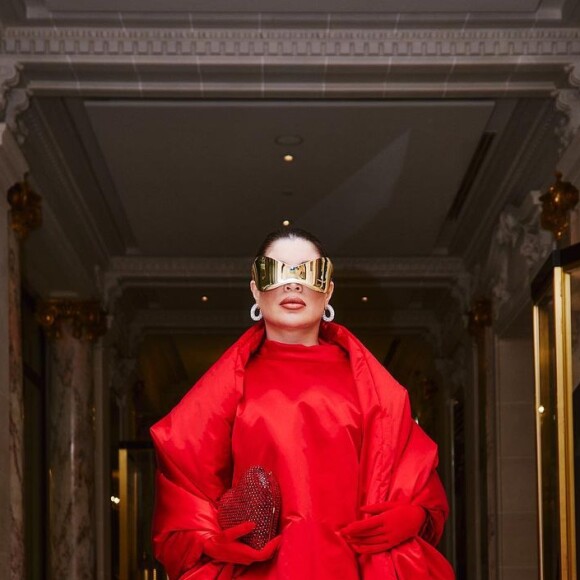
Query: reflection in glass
x=548, y=441
x=575, y=348
x=135, y=509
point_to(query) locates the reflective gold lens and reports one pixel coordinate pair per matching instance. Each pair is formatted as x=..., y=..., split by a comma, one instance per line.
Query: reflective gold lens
x=269, y=273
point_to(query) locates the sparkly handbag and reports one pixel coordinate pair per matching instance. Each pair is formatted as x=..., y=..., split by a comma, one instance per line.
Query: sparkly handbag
x=256, y=498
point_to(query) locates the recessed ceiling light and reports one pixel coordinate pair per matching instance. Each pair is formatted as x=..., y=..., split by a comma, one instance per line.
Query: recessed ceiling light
x=288, y=158
x=365, y=299
x=286, y=223
x=289, y=140
x=204, y=298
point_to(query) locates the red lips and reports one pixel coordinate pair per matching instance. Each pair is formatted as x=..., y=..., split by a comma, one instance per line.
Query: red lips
x=293, y=300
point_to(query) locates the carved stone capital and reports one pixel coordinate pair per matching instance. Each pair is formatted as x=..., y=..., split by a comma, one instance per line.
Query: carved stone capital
x=568, y=102
x=9, y=78
x=25, y=209
x=18, y=102
x=87, y=318
x=518, y=247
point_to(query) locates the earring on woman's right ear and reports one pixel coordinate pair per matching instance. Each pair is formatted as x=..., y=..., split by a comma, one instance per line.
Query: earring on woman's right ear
x=330, y=316
x=255, y=313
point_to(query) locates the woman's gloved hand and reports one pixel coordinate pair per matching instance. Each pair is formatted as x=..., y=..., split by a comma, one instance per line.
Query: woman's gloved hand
x=391, y=524
x=224, y=547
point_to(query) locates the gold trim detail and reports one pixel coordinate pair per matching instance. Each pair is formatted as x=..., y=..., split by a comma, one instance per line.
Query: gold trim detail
x=480, y=316
x=25, y=209
x=553, y=401
x=557, y=202
x=88, y=319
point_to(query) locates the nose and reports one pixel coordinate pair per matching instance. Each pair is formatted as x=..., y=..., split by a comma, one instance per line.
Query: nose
x=293, y=287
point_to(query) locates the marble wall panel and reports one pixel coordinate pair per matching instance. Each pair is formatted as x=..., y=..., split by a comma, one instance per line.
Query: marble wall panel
x=17, y=556
x=71, y=458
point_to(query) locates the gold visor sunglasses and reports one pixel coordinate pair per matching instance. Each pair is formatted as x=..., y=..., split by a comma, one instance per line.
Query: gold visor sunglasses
x=269, y=273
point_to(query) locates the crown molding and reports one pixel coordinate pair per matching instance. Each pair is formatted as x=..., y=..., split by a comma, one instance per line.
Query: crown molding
x=257, y=62
x=136, y=271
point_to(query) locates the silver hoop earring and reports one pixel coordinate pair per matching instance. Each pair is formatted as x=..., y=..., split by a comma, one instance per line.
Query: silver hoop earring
x=330, y=316
x=255, y=313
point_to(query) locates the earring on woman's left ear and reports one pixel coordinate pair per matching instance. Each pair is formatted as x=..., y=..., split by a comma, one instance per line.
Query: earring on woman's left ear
x=255, y=313
x=330, y=316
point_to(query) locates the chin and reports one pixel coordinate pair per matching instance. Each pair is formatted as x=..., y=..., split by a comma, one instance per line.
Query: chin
x=290, y=322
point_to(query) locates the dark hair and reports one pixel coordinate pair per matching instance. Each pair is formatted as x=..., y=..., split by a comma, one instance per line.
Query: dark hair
x=291, y=234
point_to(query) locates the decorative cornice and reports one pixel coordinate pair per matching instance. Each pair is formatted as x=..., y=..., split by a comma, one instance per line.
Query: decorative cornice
x=259, y=62
x=288, y=42
x=87, y=318
x=125, y=272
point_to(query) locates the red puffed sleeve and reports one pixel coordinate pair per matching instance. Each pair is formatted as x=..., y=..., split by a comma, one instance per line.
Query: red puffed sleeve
x=194, y=464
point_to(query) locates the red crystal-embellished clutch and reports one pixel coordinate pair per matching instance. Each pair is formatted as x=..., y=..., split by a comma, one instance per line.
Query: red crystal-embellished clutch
x=256, y=498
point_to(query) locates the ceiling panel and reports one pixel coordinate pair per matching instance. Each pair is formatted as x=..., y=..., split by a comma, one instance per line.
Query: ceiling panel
x=362, y=6
x=208, y=179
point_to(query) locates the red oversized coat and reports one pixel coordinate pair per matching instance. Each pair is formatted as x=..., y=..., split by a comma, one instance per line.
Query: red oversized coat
x=193, y=445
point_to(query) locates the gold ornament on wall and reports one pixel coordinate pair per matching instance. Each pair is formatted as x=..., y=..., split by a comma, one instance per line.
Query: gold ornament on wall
x=479, y=316
x=87, y=318
x=557, y=203
x=25, y=209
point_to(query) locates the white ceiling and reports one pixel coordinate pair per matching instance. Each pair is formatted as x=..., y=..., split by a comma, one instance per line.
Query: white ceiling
x=296, y=6
x=208, y=179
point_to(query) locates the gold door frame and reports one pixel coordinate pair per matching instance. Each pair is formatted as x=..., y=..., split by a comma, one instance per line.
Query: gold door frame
x=559, y=284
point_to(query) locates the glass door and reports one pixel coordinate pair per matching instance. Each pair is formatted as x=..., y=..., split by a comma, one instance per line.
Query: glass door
x=556, y=293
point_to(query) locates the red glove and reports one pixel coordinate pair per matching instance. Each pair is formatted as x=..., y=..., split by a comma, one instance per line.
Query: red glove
x=392, y=524
x=223, y=547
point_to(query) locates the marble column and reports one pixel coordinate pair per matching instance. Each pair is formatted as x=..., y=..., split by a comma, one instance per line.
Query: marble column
x=72, y=327
x=14, y=227
x=17, y=559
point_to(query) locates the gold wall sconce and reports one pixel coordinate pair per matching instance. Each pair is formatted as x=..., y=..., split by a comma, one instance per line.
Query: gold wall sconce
x=557, y=202
x=87, y=319
x=26, y=209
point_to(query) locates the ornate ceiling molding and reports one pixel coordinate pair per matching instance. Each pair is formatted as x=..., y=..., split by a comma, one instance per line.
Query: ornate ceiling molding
x=125, y=272
x=291, y=41
x=293, y=61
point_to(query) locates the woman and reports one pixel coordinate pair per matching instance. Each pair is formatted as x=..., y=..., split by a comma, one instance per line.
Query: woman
x=303, y=398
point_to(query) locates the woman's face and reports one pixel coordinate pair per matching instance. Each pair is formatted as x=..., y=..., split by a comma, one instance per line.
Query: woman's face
x=292, y=306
